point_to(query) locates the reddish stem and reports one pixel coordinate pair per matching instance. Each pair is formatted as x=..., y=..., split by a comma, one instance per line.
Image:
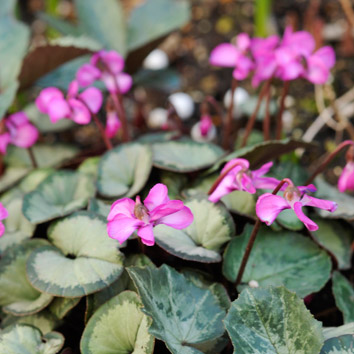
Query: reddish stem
x=100, y=127
x=222, y=176
x=281, y=110
x=253, y=117
x=266, y=121
x=254, y=234
x=228, y=122
x=118, y=103
x=328, y=159
x=32, y=157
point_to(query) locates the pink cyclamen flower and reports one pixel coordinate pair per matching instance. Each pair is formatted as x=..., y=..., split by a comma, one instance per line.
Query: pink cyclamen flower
x=3, y=215
x=113, y=124
x=106, y=66
x=204, y=130
x=127, y=216
x=76, y=106
x=346, y=179
x=269, y=205
x=243, y=179
x=234, y=56
x=19, y=132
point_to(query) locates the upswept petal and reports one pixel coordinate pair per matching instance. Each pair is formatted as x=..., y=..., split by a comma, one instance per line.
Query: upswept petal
x=4, y=141
x=243, y=41
x=157, y=196
x=2, y=229
x=87, y=74
x=112, y=124
x=243, y=67
x=247, y=184
x=262, y=170
x=113, y=60
x=123, y=206
x=73, y=89
x=121, y=227
x=268, y=207
x=179, y=220
x=80, y=114
x=326, y=55
x=124, y=82
x=46, y=96
x=26, y=136
x=226, y=186
x=319, y=203
x=147, y=235
x=310, y=225
x=166, y=209
x=241, y=163
x=225, y=55
x=307, y=189
x=317, y=72
x=58, y=109
x=93, y=98
x=110, y=82
x=3, y=212
x=18, y=119
x=346, y=179
x=266, y=183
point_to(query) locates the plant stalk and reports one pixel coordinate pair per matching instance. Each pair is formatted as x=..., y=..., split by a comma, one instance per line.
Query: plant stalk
x=328, y=159
x=32, y=157
x=100, y=127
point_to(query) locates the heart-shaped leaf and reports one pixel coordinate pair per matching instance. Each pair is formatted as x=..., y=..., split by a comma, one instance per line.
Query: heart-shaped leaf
x=272, y=320
x=289, y=220
x=22, y=338
x=119, y=326
x=143, y=27
x=124, y=170
x=305, y=269
x=201, y=241
x=11, y=176
x=17, y=296
x=84, y=259
x=185, y=156
x=343, y=293
x=331, y=332
x=60, y=306
x=339, y=345
x=99, y=207
x=345, y=202
x=58, y=195
x=183, y=315
x=337, y=239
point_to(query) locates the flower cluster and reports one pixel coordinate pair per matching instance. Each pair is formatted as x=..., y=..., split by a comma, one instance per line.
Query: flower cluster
x=287, y=58
x=127, y=216
x=17, y=130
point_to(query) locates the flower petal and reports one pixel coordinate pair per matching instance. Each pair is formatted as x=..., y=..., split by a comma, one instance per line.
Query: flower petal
x=327, y=56
x=113, y=60
x=243, y=41
x=346, y=179
x=225, y=55
x=123, y=206
x=87, y=74
x=26, y=136
x=73, y=89
x=147, y=235
x=319, y=203
x=262, y=170
x=239, y=165
x=4, y=141
x=80, y=114
x=121, y=227
x=125, y=82
x=226, y=186
x=266, y=183
x=112, y=124
x=46, y=95
x=179, y=220
x=310, y=225
x=19, y=118
x=93, y=98
x=269, y=206
x=157, y=196
x=3, y=212
x=2, y=229
x=58, y=108
x=168, y=208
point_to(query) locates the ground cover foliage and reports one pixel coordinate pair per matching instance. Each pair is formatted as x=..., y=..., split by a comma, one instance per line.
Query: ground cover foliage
x=208, y=230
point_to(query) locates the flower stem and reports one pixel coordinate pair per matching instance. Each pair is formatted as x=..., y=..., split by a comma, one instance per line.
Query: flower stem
x=266, y=121
x=254, y=234
x=253, y=117
x=118, y=103
x=222, y=176
x=281, y=110
x=329, y=158
x=99, y=125
x=228, y=122
x=32, y=157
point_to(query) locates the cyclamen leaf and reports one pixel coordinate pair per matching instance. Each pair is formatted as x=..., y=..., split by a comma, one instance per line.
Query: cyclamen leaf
x=272, y=320
x=339, y=345
x=344, y=296
x=183, y=314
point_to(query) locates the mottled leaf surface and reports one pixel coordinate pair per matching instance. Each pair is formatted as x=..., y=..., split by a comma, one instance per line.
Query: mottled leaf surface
x=343, y=292
x=339, y=345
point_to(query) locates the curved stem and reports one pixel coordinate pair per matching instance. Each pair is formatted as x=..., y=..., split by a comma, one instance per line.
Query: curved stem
x=253, y=117
x=32, y=157
x=100, y=127
x=254, y=234
x=118, y=104
x=266, y=121
x=228, y=122
x=328, y=159
x=281, y=110
x=222, y=176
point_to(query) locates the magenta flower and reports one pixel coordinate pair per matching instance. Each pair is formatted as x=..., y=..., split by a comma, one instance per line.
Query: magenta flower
x=106, y=66
x=127, y=216
x=346, y=179
x=204, y=130
x=77, y=107
x=3, y=215
x=113, y=124
x=269, y=205
x=19, y=132
x=243, y=179
x=234, y=56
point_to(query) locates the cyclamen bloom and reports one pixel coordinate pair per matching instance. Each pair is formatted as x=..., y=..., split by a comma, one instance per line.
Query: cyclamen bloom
x=229, y=55
x=243, y=179
x=113, y=124
x=19, y=132
x=77, y=107
x=346, y=179
x=269, y=205
x=3, y=215
x=106, y=66
x=127, y=216
x=204, y=130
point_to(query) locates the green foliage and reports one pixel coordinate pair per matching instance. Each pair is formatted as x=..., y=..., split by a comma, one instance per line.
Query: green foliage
x=343, y=293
